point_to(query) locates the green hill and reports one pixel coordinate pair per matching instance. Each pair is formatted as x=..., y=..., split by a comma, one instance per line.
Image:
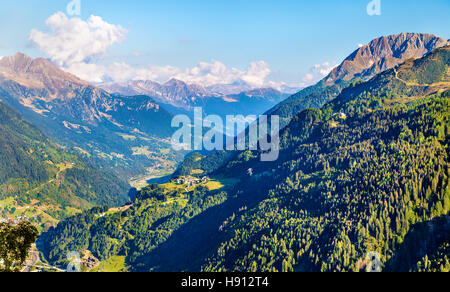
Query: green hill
x=41, y=181
x=132, y=231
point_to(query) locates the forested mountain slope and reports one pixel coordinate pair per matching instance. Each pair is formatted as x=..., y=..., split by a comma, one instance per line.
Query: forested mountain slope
x=344, y=189
x=366, y=173
x=380, y=54
x=36, y=172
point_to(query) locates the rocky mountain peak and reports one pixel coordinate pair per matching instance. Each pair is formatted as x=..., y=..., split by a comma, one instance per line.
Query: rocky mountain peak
x=18, y=63
x=384, y=53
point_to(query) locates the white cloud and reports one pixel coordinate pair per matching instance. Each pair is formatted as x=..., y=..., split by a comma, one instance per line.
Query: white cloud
x=204, y=73
x=218, y=73
x=73, y=41
x=75, y=45
x=323, y=69
x=317, y=73
x=360, y=45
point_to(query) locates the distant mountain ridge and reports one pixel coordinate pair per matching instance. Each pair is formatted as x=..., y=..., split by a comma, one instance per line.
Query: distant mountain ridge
x=233, y=88
x=380, y=54
x=38, y=72
x=41, y=86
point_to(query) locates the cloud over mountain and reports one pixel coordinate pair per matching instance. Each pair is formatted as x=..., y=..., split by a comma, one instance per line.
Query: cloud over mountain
x=76, y=46
x=317, y=72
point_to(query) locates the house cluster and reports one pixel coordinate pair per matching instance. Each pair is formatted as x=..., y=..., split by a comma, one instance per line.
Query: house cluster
x=13, y=221
x=191, y=181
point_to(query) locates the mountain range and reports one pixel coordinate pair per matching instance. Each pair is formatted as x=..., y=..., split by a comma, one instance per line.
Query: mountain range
x=173, y=92
x=128, y=131
x=363, y=168
x=366, y=173
x=383, y=53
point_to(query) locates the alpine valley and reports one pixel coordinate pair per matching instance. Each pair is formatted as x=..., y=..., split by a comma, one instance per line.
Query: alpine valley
x=363, y=168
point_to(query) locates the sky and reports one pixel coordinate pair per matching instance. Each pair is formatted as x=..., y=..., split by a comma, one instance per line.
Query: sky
x=265, y=43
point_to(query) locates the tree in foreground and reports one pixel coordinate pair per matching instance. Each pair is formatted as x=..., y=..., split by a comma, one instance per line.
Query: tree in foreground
x=15, y=243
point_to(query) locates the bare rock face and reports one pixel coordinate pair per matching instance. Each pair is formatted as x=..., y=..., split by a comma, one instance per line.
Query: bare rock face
x=41, y=86
x=384, y=53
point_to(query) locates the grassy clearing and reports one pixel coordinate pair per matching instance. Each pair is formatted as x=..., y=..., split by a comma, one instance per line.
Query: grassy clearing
x=117, y=210
x=165, y=151
x=227, y=181
x=112, y=265
x=214, y=184
x=38, y=213
x=82, y=151
x=141, y=181
x=142, y=151
x=196, y=171
x=7, y=203
x=171, y=186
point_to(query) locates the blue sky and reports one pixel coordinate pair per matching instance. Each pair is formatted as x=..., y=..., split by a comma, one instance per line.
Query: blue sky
x=290, y=36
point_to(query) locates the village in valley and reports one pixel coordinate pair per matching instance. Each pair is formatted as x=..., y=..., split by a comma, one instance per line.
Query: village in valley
x=191, y=181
